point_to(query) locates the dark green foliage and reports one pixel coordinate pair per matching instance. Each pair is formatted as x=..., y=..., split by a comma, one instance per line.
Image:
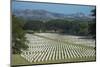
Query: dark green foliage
x=92, y=26
x=33, y=25
x=58, y=25
x=18, y=36
x=83, y=29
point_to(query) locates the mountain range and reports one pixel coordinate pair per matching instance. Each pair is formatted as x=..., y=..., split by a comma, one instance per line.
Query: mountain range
x=39, y=14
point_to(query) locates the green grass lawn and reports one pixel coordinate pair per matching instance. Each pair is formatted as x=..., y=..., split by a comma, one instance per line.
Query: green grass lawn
x=18, y=60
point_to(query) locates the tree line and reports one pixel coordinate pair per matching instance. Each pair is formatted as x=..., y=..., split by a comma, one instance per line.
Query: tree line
x=58, y=25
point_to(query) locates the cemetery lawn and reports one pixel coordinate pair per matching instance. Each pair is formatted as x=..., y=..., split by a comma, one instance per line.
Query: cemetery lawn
x=49, y=48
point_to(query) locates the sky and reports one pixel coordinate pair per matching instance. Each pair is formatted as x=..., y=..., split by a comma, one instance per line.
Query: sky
x=57, y=8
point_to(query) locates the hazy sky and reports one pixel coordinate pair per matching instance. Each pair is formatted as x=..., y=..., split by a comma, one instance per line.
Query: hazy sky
x=58, y=8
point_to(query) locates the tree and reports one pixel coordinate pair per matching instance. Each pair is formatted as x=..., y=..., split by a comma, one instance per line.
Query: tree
x=83, y=28
x=92, y=28
x=18, y=36
x=34, y=25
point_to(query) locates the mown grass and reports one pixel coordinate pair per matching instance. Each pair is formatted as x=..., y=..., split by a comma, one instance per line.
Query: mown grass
x=18, y=60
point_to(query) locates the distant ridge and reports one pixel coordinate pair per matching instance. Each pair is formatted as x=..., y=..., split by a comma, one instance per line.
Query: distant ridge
x=39, y=14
